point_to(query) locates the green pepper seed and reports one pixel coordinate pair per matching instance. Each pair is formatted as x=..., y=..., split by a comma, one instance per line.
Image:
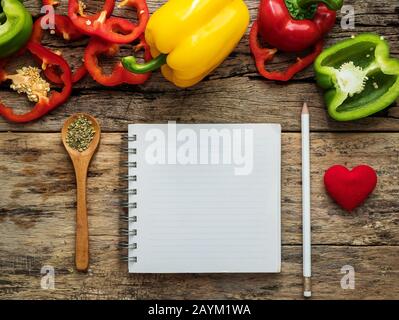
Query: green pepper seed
x=80, y=134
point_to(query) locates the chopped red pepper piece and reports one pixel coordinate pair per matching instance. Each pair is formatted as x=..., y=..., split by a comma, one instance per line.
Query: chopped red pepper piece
x=50, y=3
x=45, y=103
x=119, y=74
x=113, y=29
x=264, y=55
x=65, y=29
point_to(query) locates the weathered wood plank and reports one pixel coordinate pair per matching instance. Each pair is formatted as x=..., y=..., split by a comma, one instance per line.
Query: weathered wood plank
x=376, y=276
x=37, y=193
x=377, y=12
x=231, y=100
x=233, y=93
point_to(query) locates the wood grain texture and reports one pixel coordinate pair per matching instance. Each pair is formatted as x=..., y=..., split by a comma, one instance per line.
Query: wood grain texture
x=233, y=93
x=38, y=188
x=38, y=218
x=376, y=276
x=39, y=182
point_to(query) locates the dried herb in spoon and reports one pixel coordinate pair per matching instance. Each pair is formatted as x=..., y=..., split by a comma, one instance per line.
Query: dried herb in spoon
x=80, y=134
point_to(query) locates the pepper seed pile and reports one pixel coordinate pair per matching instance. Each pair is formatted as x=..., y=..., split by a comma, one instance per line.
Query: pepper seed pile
x=80, y=134
x=28, y=80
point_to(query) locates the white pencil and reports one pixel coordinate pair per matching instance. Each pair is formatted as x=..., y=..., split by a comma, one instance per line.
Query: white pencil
x=306, y=228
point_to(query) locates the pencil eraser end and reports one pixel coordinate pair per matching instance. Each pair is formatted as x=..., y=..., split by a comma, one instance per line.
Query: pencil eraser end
x=307, y=294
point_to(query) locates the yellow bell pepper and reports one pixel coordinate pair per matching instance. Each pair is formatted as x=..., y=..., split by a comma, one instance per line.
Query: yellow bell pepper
x=190, y=38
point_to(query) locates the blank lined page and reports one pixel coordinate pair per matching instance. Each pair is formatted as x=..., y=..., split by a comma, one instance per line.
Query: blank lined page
x=207, y=198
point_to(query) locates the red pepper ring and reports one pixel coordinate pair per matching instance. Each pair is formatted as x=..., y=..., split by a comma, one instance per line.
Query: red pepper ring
x=84, y=22
x=65, y=29
x=113, y=29
x=45, y=104
x=263, y=55
x=119, y=74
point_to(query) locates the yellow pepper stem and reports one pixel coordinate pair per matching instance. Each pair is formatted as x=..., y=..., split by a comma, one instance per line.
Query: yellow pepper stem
x=130, y=63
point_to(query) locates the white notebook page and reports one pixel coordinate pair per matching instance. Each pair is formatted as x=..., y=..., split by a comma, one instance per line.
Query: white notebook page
x=212, y=214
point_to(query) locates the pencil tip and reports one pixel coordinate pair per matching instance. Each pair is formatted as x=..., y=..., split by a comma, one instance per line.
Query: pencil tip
x=305, y=109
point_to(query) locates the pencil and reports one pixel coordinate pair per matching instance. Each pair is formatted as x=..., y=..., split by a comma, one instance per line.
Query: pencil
x=306, y=228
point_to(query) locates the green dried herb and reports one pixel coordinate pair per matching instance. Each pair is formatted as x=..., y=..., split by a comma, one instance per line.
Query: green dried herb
x=80, y=134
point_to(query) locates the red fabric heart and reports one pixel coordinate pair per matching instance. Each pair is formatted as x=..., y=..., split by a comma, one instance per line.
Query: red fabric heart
x=350, y=188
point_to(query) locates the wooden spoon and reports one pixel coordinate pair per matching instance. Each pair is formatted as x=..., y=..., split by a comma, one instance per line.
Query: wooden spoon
x=81, y=161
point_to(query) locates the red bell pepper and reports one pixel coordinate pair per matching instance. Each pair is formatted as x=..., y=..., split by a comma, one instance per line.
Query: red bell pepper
x=65, y=29
x=45, y=104
x=113, y=29
x=119, y=74
x=291, y=26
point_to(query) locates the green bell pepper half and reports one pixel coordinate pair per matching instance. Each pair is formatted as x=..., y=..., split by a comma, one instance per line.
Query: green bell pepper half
x=358, y=76
x=15, y=27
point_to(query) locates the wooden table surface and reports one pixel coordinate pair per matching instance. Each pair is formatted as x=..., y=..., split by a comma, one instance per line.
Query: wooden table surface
x=37, y=184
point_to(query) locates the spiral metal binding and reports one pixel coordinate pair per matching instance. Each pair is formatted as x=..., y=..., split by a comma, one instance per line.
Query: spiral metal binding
x=125, y=218
x=129, y=164
x=129, y=191
x=132, y=232
x=131, y=138
x=130, y=205
x=130, y=150
x=129, y=259
x=126, y=245
x=126, y=232
x=126, y=177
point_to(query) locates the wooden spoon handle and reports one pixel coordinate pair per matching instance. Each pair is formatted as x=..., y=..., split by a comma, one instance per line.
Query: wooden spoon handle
x=82, y=228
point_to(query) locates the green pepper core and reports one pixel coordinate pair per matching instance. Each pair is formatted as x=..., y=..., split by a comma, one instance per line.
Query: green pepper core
x=15, y=27
x=359, y=77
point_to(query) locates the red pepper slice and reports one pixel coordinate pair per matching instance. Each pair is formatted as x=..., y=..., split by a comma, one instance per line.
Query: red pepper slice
x=50, y=3
x=263, y=55
x=65, y=29
x=45, y=104
x=113, y=29
x=119, y=74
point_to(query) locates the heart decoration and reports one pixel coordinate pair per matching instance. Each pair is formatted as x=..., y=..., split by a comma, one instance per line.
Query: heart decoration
x=350, y=188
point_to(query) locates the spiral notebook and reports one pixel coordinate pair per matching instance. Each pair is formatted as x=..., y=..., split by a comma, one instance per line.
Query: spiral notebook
x=204, y=198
